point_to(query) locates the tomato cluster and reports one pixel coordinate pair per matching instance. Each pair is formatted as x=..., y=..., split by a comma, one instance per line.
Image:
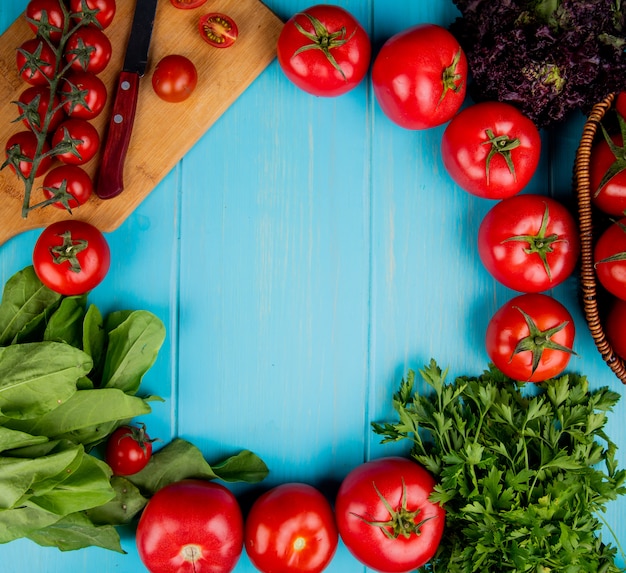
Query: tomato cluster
x=382, y=513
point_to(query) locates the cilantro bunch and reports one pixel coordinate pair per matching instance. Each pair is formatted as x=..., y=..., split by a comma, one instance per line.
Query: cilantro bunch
x=524, y=475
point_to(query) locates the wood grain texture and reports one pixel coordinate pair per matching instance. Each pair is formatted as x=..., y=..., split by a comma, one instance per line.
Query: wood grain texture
x=163, y=132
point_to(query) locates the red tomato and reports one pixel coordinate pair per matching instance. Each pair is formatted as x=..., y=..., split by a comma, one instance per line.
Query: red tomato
x=51, y=24
x=21, y=149
x=291, y=528
x=324, y=50
x=36, y=62
x=105, y=9
x=84, y=94
x=128, y=450
x=615, y=327
x=70, y=185
x=76, y=141
x=191, y=526
x=610, y=258
x=608, y=195
x=420, y=77
x=187, y=4
x=88, y=49
x=530, y=338
x=218, y=30
x=395, y=540
x=71, y=257
x=175, y=78
x=34, y=103
x=529, y=243
x=491, y=150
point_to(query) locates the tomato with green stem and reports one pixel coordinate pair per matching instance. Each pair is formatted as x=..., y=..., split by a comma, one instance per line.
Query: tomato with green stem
x=46, y=17
x=128, y=450
x=36, y=62
x=88, y=49
x=324, y=50
x=609, y=258
x=83, y=94
x=21, y=152
x=530, y=337
x=76, y=141
x=68, y=185
x=104, y=10
x=34, y=103
x=218, y=30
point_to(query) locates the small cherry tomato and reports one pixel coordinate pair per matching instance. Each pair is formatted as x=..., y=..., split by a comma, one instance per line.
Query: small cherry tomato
x=609, y=257
x=69, y=184
x=36, y=62
x=88, y=50
x=84, y=94
x=218, y=30
x=175, y=78
x=187, y=4
x=291, y=528
x=76, y=141
x=45, y=17
x=105, y=9
x=530, y=338
x=128, y=450
x=34, y=103
x=21, y=149
x=71, y=257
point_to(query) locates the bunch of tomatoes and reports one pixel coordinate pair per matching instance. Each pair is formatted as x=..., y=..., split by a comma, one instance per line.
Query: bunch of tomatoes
x=528, y=242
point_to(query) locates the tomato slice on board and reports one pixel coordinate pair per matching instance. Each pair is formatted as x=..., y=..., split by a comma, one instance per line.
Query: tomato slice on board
x=187, y=4
x=218, y=30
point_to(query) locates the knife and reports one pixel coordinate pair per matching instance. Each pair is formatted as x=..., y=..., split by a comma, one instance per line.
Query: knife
x=111, y=173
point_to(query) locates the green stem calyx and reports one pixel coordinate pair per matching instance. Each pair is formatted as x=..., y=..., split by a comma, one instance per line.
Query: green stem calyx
x=451, y=79
x=68, y=251
x=322, y=39
x=500, y=145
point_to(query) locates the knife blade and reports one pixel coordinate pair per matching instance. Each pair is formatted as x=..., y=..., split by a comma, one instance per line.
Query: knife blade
x=111, y=171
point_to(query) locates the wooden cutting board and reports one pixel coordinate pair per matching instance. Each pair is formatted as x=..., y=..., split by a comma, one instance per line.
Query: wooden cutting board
x=163, y=132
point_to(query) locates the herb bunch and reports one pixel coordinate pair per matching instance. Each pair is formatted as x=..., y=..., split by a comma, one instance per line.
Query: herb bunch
x=524, y=476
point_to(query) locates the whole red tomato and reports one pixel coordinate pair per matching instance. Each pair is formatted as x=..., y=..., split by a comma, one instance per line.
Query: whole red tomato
x=324, y=50
x=291, y=528
x=105, y=9
x=71, y=257
x=529, y=243
x=76, y=141
x=384, y=515
x=491, y=149
x=88, y=49
x=20, y=151
x=174, y=78
x=36, y=62
x=530, y=338
x=70, y=185
x=191, y=526
x=52, y=24
x=128, y=450
x=608, y=187
x=84, y=94
x=420, y=77
x=615, y=327
x=34, y=103
x=610, y=258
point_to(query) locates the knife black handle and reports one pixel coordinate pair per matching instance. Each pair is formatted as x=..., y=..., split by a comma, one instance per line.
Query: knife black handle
x=111, y=173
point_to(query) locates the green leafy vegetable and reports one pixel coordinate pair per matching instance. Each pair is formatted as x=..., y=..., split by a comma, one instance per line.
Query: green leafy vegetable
x=524, y=473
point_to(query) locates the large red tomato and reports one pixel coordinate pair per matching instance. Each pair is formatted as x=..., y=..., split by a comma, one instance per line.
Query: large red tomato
x=324, y=50
x=491, y=149
x=610, y=258
x=529, y=243
x=607, y=182
x=385, y=517
x=530, y=338
x=291, y=529
x=191, y=526
x=420, y=77
x=71, y=257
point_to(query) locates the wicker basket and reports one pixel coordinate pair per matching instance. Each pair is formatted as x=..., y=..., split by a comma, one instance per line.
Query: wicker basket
x=592, y=293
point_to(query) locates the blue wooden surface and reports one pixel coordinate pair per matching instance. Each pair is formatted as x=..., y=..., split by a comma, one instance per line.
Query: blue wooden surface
x=303, y=256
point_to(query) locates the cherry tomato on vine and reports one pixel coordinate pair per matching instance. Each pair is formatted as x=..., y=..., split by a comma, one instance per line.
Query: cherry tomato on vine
x=529, y=242
x=190, y=526
x=187, y=4
x=46, y=17
x=324, y=50
x=607, y=176
x=36, y=62
x=69, y=184
x=88, y=50
x=20, y=150
x=174, y=78
x=33, y=105
x=530, y=338
x=385, y=517
x=291, y=528
x=420, y=77
x=106, y=9
x=218, y=30
x=77, y=141
x=128, y=450
x=84, y=94
x=491, y=149
x=609, y=257
x=71, y=257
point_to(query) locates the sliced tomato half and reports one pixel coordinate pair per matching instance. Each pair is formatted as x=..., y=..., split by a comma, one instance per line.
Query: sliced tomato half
x=218, y=30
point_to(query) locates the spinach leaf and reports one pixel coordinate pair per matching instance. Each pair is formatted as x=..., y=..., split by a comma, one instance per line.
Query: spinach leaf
x=94, y=339
x=11, y=439
x=245, y=466
x=66, y=322
x=121, y=510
